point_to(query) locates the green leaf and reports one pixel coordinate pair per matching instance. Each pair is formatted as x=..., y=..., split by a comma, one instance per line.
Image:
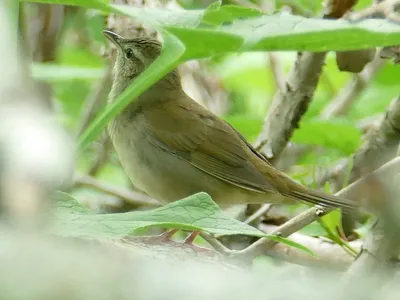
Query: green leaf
x=216, y=14
x=168, y=60
x=332, y=222
x=290, y=243
x=65, y=204
x=290, y=32
x=197, y=212
x=338, y=135
x=255, y=32
x=161, y=17
x=333, y=225
x=313, y=229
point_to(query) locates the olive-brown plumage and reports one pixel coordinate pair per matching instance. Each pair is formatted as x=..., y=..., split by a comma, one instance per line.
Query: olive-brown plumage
x=171, y=147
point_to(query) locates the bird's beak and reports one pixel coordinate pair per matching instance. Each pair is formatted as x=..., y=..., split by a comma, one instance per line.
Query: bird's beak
x=113, y=37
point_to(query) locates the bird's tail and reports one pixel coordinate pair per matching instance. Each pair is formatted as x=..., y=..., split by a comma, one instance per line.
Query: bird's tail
x=323, y=199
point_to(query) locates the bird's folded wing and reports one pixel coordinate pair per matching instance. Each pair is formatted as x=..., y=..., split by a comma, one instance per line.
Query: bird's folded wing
x=191, y=132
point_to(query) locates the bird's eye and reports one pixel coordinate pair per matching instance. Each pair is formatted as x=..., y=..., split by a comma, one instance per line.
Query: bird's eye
x=129, y=53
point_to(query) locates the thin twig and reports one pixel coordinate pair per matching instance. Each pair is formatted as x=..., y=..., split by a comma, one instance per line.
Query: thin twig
x=328, y=254
x=131, y=197
x=216, y=244
x=277, y=71
x=258, y=214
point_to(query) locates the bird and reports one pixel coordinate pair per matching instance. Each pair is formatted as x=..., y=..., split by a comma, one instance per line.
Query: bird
x=171, y=147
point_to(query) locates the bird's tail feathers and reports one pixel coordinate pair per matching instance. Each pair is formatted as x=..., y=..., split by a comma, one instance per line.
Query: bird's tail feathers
x=323, y=199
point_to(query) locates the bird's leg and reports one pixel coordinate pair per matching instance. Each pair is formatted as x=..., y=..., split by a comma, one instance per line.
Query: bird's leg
x=166, y=236
x=189, y=242
x=190, y=239
x=162, y=238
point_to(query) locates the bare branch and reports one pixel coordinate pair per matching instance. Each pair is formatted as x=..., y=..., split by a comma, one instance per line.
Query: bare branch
x=353, y=191
x=290, y=104
x=258, y=214
x=217, y=245
x=328, y=254
x=131, y=197
x=381, y=9
x=277, y=71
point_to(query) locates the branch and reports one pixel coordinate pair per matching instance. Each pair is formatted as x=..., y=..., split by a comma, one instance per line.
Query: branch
x=381, y=9
x=264, y=209
x=328, y=254
x=290, y=104
x=277, y=71
x=131, y=197
x=353, y=191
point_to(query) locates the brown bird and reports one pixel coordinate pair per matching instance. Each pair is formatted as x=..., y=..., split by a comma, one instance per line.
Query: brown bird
x=172, y=147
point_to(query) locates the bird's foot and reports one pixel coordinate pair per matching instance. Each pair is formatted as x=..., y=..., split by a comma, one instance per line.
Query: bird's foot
x=165, y=238
x=188, y=243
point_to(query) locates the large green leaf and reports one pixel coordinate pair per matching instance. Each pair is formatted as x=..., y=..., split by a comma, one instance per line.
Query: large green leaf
x=216, y=14
x=197, y=212
x=251, y=30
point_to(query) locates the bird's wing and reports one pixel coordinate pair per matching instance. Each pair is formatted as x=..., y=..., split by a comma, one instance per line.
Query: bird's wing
x=191, y=132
